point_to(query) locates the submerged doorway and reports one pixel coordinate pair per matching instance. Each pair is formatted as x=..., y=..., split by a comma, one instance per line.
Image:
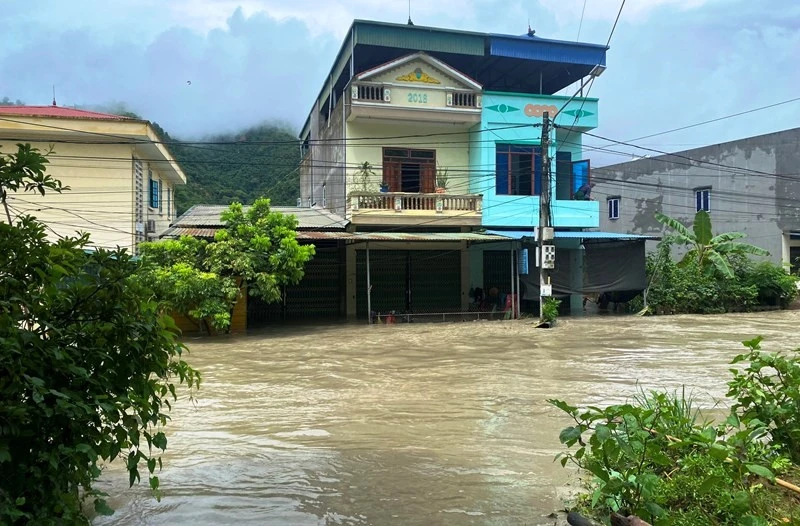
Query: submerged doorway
x=407, y=170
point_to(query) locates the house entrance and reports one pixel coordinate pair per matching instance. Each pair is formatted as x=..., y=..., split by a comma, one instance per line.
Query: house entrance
x=407, y=170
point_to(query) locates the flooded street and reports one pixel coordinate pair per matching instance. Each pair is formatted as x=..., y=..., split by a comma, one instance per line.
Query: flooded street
x=412, y=424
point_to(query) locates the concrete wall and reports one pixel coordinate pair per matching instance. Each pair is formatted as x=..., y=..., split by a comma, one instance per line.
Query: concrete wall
x=452, y=150
x=511, y=118
x=752, y=189
x=101, y=199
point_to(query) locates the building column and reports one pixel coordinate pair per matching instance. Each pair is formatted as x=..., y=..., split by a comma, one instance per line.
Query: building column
x=350, y=281
x=466, y=277
x=576, y=279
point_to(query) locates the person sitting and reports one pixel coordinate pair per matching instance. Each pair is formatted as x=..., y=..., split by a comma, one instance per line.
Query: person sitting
x=584, y=193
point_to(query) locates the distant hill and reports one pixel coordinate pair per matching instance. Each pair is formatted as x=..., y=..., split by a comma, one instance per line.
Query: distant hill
x=261, y=161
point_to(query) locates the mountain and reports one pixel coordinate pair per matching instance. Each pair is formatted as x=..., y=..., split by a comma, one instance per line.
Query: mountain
x=260, y=161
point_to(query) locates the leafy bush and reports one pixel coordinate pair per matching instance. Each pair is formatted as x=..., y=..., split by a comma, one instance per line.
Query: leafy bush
x=656, y=459
x=768, y=391
x=687, y=288
x=774, y=285
x=88, y=364
x=550, y=309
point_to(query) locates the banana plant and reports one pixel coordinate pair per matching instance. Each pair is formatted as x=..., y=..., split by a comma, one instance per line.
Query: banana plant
x=709, y=251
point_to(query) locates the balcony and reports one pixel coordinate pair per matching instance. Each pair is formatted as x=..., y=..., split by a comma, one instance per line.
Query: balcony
x=411, y=209
x=370, y=100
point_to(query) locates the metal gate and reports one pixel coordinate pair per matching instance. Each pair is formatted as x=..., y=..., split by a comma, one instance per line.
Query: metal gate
x=409, y=281
x=319, y=295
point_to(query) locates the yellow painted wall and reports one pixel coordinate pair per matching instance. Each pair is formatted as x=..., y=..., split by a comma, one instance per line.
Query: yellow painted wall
x=100, y=200
x=453, y=154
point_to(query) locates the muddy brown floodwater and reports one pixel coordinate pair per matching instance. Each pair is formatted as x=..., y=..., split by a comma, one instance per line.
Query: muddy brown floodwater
x=412, y=424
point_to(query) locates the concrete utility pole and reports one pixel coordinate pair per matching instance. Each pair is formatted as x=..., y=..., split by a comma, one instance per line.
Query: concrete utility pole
x=545, y=221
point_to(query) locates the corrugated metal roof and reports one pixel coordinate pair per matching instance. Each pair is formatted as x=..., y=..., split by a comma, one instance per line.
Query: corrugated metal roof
x=178, y=231
x=425, y=236
x=417, y=37
x=600, y=235
x=59, y=112
x=547, y=50
x=307, y=218
x=566, y=234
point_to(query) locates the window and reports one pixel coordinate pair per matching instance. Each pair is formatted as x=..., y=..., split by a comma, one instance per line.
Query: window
x=702, y=199
x=160, y=202
x=412, y=171
x=518, y=170
x=324, y=197
x=613, y=207
x=155, y=198
x=581, y=175
x=169, y=202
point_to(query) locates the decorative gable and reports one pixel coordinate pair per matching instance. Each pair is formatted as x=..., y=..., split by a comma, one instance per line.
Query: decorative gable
x=420, y=69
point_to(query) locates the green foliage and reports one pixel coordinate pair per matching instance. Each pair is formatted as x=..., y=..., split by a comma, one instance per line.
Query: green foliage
x=656, y=459
x=364, y=174
x=25, y=170
x=174, y=269
x=686, y=287
x=550, y=309
x=257, y=249
x=88, y=365
x=263, y=160
x=5, y=101
x=260, y=247
x=768, y=390
x=708, y=251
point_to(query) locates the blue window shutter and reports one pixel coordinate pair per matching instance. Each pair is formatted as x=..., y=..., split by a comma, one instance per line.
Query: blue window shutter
x=580, y=174
x=501, y=172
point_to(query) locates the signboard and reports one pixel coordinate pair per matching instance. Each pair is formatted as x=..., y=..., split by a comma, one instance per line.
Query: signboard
x=522, y=262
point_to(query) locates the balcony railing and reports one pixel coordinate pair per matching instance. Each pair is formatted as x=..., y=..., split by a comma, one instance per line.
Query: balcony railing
x=400, y=201
x=397, y=207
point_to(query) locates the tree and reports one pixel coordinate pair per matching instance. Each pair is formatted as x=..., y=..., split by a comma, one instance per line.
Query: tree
x=25, y=170
x=88, y=364
x=175, y=271
x=709, y=251
x=259, y=247
x=5, y=101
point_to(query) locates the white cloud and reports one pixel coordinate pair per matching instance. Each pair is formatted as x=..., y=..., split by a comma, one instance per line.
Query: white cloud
x=320, y=16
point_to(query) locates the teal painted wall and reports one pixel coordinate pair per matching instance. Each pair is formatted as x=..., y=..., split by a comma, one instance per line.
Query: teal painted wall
x=516, y=119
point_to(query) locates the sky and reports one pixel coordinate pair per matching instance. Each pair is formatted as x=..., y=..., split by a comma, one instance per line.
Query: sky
x=199, y=67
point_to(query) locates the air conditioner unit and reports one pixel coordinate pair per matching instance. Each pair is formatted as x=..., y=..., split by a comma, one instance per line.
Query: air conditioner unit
x=151, y=226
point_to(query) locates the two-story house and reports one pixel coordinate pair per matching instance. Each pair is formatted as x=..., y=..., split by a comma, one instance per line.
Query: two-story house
x=121, y=177
x=429, y=136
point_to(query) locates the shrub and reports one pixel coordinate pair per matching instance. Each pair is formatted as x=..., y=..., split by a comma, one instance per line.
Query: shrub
x=656, y=459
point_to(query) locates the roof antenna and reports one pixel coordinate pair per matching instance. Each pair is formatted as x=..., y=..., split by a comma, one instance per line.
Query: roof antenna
x=54, y=94
x=409, y=14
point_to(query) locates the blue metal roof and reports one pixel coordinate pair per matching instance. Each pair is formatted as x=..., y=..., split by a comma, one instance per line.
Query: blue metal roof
x=563, y=234
x=544, y=50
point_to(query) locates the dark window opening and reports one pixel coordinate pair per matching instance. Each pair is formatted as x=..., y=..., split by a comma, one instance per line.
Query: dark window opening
x=518, y=170
x=410, y=177
x=702, y=199
x=613, y=207
x=406, y=170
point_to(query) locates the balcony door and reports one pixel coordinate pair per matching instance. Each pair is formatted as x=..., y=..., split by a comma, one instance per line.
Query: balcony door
x=407, y=170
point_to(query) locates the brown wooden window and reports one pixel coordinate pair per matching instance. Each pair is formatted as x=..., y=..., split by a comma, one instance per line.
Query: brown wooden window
x=409, y=170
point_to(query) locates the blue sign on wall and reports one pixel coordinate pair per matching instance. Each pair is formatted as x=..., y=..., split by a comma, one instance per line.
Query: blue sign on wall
x=523, y=261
